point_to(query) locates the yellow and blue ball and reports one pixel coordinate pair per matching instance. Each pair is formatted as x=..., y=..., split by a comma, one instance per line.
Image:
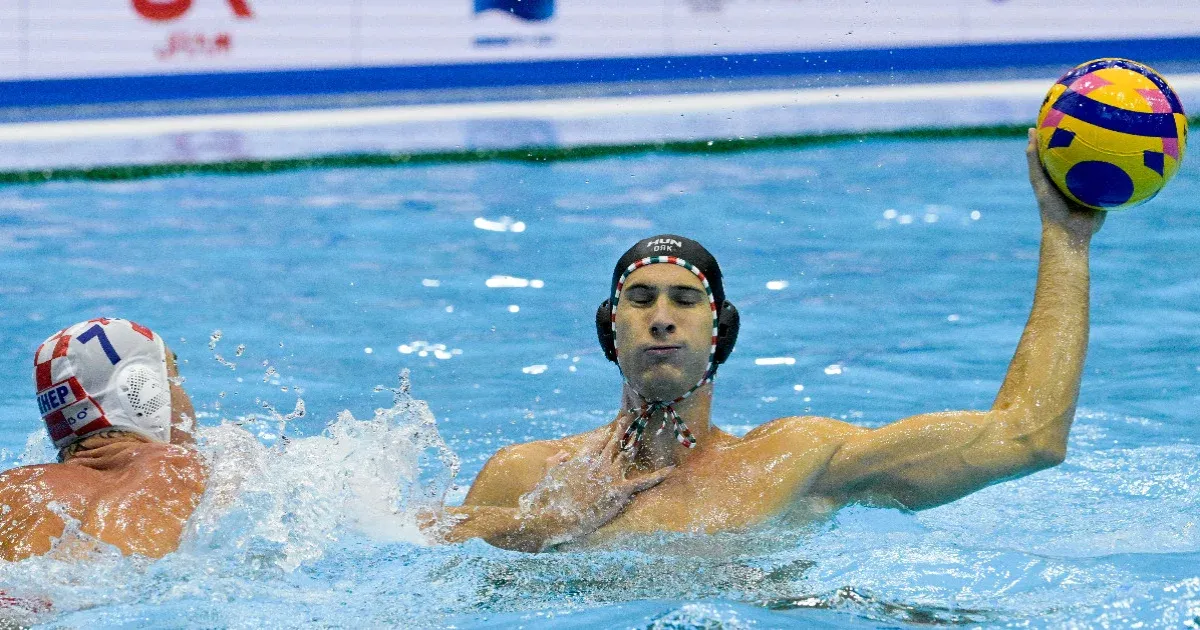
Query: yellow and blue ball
x=1111, y=133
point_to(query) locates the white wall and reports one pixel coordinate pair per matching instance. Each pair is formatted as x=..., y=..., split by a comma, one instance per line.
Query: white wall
x=77, y=38
x=10, y=39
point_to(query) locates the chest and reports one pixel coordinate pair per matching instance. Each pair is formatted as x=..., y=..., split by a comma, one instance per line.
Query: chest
x=734, y=491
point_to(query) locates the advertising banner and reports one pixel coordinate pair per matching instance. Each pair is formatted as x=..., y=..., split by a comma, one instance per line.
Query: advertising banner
x=709, y=26
x=473, y=43
x=11, y=39
x=75, y=38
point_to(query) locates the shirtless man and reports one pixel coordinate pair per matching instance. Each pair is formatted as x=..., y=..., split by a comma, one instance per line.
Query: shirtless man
x=107, y=392
x=668, y=326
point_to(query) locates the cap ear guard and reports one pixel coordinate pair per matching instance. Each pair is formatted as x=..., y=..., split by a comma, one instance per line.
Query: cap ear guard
x=604, y=331
x=146, y=397
x=728, y=323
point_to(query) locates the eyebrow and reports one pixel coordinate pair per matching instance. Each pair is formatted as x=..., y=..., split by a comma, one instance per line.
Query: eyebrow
x=651, y=287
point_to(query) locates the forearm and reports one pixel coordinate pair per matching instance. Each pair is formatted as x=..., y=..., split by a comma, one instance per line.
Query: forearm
x=1040, y=390
x=504, y=527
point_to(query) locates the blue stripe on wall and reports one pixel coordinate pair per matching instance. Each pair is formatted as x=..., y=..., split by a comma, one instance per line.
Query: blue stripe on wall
x=126, y=89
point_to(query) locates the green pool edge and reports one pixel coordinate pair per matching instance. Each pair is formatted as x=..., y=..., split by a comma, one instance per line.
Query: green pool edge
x=534, y=154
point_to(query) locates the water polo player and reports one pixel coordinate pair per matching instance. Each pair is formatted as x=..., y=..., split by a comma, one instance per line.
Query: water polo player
x=668, y=326
x=107, y=391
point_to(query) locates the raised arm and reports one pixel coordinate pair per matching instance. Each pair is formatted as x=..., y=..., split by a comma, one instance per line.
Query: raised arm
x=927, y=460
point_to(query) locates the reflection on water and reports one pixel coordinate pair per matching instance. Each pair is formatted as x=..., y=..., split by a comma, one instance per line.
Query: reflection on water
x=867, y=605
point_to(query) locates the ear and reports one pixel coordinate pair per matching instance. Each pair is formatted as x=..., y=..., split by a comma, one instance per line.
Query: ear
x=728, y=322
x=604, y=331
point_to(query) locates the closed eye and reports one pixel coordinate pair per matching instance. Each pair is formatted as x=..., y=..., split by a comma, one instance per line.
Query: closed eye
x=687, y=296
x=641, y=295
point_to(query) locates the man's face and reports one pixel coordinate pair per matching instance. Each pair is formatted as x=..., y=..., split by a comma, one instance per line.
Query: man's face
x=664, y=330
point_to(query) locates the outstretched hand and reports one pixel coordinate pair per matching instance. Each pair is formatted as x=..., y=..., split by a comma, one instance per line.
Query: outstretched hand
x=1078, y=220
x=584, y=492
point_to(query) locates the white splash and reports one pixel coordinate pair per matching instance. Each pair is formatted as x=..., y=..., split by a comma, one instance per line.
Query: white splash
x=286, y=504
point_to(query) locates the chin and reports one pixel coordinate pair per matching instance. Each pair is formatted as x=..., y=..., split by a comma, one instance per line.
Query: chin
x=663, y=387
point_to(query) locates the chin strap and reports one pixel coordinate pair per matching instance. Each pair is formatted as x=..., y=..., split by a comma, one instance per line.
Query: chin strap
x=647, y=409
x=635, y=430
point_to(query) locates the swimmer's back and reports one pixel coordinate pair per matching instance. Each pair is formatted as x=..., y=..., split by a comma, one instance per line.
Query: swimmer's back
x=134, y=496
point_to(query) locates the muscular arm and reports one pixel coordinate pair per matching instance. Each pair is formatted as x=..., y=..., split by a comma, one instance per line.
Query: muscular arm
x=491, y=510
x=927, y=460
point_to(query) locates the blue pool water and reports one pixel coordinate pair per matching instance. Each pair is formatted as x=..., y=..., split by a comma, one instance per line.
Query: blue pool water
x=897, y=276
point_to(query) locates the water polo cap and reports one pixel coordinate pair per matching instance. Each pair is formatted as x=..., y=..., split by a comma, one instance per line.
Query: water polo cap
x=103, y=374
x=684, y=252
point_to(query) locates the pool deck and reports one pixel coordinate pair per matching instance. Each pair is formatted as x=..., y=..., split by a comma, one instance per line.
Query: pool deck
x=105, y=138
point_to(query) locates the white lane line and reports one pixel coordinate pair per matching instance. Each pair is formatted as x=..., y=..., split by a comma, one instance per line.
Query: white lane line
x=555, y=109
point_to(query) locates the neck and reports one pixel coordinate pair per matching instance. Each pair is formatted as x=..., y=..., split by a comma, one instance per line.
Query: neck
x=98, y=440
x=658, y=446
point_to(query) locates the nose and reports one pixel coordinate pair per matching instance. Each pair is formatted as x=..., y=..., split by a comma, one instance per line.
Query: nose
x=662, y=325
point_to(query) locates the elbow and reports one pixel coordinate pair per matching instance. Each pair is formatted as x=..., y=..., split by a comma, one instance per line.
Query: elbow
x=1050, y=444
x=1049, y=456
x=1042, y=438
x=1047, y=451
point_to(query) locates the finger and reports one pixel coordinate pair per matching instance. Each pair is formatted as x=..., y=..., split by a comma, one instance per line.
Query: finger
x=1036, y=174
x=648, y=481
x=620, y=426
x=625, y=453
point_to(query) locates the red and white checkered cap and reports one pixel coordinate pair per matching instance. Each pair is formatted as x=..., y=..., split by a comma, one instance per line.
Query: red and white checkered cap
x=100, y=374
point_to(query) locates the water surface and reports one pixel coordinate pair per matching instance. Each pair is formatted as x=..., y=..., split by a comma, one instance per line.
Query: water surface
x=896, y=276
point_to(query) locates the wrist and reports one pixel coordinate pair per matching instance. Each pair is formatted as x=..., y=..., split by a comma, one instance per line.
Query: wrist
x=1076, y=236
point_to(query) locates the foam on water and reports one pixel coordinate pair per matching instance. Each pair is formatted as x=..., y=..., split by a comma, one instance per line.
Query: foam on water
x=268, y=509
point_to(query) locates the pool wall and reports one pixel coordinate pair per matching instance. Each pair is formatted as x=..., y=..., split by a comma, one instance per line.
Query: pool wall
x=524, y=130
x=78, y=53
x=163, y=87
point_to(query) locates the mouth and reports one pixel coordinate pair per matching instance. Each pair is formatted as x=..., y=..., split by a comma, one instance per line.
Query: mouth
x=661, y=350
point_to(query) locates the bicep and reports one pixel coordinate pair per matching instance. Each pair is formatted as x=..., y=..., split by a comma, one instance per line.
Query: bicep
x=924, y=461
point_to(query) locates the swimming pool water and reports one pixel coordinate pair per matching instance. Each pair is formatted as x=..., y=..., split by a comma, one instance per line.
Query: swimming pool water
x=884, y=278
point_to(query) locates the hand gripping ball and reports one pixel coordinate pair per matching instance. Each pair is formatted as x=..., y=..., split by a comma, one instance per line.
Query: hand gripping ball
x=1111, y=133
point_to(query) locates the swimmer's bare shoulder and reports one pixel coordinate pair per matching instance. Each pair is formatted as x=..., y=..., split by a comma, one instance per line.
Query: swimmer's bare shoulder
x=95, y=487
x=807, y=443
x=26, y=523
x=515, y=469
x=811, y=427
x=168, y=481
